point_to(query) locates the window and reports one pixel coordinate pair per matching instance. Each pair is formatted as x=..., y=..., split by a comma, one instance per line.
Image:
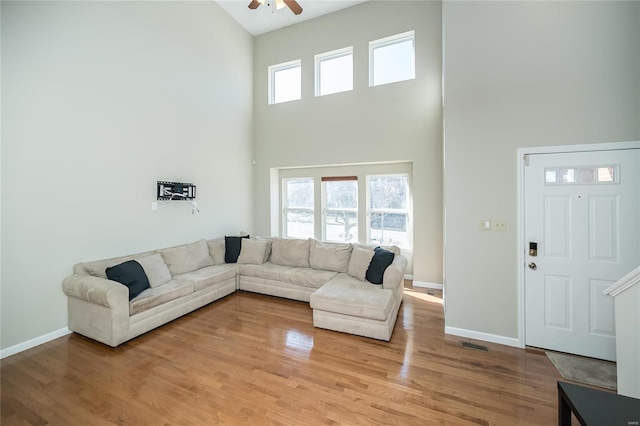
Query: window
x=298, y=210
x=388, y=218
x=392, y=59
x=581, y=175
x=340, y=207
x=285, y=82
x=364, y=203
x=334, y=71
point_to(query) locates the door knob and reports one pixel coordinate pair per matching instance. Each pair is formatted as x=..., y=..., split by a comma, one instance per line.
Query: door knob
x=533, y=266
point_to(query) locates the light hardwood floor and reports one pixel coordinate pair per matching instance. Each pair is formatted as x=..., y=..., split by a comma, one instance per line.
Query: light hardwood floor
x=250, y=359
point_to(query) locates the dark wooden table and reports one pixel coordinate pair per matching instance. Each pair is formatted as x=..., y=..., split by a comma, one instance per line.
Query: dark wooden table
x=594, y=407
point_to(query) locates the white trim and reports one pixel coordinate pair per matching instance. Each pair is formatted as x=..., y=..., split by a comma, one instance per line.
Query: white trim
x=522, y=163
x=485, y=337
x=624, y=283
x=607, y=146
x=610, y=146
x=408, y=277
x=423, y=284
x=12, y=350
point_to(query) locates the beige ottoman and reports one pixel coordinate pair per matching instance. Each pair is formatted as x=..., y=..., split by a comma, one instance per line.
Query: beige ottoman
x=351, y=306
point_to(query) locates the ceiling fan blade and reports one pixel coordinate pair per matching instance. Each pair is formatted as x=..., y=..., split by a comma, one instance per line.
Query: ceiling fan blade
x=294, y=6
x=254, y=4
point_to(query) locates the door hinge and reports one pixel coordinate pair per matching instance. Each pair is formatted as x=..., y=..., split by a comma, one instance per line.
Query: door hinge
x=525, y=158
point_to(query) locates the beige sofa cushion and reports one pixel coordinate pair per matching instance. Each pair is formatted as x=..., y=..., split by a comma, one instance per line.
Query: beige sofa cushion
x=216, y=250
x=329, y=256
x=267, y=253
x=307, y=277
x=267, y=271
x=252, y=251
x=359, y=262
x=156, y=270
x=209, y=276
x=292, y=252
x=153, y=297
x=348, y=296
x=187, y=258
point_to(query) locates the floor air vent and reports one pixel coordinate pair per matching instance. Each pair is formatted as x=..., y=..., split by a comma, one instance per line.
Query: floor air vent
x=469, y=345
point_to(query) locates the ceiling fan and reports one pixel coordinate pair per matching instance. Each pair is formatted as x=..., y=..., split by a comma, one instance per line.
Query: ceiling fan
x=278, y=4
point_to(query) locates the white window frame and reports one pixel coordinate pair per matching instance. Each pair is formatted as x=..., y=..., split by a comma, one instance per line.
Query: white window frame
x=272, y=70
x=406, y=210
x=327, y=56
x=326, y=209
x=388, y=41
x=286, y=208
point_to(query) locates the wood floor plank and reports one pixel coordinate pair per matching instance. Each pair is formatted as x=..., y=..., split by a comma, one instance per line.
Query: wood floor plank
x=250, y=359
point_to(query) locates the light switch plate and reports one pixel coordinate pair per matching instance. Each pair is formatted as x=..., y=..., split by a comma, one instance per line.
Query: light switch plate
x=485, y=225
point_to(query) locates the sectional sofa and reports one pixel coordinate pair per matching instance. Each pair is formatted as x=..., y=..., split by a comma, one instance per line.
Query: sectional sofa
x=334, y=278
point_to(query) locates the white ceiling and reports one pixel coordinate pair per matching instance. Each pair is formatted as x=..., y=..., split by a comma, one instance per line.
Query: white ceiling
x=262, y=20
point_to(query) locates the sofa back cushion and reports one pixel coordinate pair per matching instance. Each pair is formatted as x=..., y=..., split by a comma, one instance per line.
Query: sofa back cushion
x=156, y=270
x=267, y=252
x=187, y=258
x=290, y=252
x=252, y=252
x=329, y=256
x=359, y=262
x=216, y=250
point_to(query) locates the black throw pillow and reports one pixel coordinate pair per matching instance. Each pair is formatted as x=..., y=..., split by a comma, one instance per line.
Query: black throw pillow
x=381, y=260
x=131, y=274
x=232, y=247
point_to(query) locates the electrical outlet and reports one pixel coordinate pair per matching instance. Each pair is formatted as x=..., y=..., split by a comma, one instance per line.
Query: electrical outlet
x=485, y=225
x=499, y=225
x=154, y=205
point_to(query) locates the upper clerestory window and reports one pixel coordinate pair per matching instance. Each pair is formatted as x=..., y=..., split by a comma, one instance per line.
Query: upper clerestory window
x=334, y=71
x=392, y=59
x=285, y=82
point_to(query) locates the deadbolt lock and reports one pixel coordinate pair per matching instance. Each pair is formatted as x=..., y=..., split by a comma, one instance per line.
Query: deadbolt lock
x=533, y=249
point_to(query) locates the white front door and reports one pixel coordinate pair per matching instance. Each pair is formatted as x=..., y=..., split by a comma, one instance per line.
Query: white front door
x=582, y=210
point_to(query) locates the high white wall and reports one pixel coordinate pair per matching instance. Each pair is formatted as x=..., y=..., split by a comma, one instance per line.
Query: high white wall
x=99, y=101
x=394, y=122
x=522, y=74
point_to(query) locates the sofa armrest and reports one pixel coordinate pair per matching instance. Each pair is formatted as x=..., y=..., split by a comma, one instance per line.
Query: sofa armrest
x=96, y=290
x=394, y=275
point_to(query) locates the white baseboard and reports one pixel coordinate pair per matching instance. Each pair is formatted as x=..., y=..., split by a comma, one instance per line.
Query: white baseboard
x=485, y=337
x=12, y=350
x=424, y=284
x=408, y=277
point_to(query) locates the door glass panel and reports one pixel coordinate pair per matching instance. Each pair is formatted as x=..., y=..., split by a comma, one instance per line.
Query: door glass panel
x=606, y=174
x=581, y=175
x=587, y=175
